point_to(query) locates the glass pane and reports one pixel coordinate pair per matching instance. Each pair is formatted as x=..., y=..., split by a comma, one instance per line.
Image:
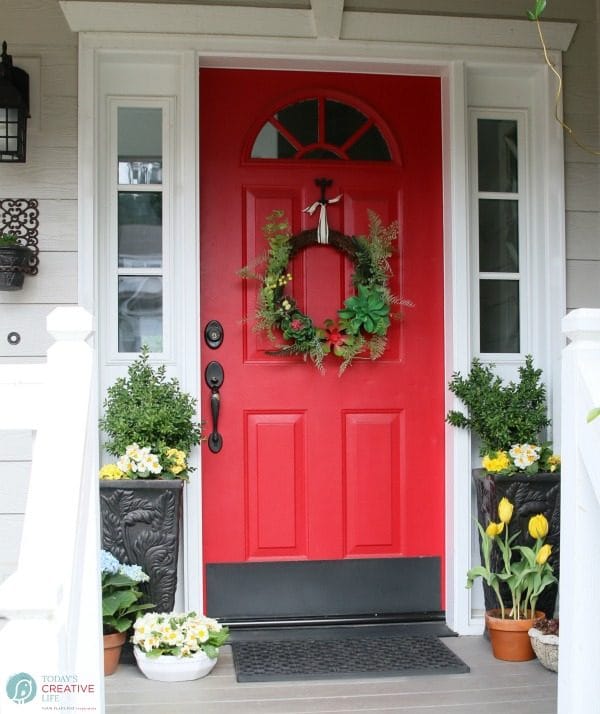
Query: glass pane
x=341, y=122
x=497, y=155
x=370, y=147
x=499, y=329
x=140, y=229
x=140, y=172
x=140, y=145
x=140, y=313
x=498, y=236
x=301, y=121
x=269, y=144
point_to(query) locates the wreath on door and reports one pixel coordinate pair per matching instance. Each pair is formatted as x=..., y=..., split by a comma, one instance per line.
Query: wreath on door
x=360, y=328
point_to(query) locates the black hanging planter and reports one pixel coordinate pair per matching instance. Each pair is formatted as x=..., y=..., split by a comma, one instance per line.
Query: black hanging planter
x=530, y=495
x=140, y=522
x=14, y=264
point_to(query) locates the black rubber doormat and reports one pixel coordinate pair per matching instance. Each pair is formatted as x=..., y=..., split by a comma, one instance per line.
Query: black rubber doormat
x=386, y=656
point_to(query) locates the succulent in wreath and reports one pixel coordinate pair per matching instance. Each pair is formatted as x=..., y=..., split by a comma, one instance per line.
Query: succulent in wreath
x=367, y=310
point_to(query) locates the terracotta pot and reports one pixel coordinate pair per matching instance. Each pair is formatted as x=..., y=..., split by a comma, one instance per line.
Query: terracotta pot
x=113, y=644
x=510, y=638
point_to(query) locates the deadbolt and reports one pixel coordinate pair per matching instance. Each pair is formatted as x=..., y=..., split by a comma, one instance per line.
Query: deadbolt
x=213, y=334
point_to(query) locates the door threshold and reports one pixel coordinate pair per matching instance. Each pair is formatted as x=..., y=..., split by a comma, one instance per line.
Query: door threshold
x=394, y=618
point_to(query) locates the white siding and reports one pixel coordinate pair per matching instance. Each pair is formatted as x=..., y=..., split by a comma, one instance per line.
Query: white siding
x=37, y=34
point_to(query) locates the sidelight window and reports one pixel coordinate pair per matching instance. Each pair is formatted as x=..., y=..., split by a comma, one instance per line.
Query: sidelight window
x=139, y=258
x=498, y=226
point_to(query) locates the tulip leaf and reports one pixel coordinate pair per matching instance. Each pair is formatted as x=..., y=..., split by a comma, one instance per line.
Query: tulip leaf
x=593, y=414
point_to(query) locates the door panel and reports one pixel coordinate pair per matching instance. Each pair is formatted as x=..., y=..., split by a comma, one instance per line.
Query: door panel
x=316, y=466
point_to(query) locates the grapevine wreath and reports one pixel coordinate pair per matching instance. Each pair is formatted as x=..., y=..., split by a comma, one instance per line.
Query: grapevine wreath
x=361, y=327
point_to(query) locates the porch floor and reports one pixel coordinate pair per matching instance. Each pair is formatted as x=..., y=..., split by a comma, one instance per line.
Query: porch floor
x=492, y=685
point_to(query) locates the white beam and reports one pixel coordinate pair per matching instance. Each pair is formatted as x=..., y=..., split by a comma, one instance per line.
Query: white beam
x=327, y=17
x=323, y=20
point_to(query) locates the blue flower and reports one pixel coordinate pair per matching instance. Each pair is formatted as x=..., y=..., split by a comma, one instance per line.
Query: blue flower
x=108, y=563
x=134, y=572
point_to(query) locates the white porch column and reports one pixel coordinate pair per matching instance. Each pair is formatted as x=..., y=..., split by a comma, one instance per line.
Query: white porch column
x=578, y=680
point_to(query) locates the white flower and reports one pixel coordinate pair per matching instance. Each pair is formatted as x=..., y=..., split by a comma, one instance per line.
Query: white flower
x=153, y=464
x=133, y=451
x=124, y=464
x=524, y=455
x=213, y=625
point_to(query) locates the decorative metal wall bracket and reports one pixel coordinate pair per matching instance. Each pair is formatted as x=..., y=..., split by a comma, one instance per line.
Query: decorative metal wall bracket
x=19, y=217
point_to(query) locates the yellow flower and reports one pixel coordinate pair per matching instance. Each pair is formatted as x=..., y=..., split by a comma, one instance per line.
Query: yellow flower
x=543, y=554
x=505, y=510
x=497, y=461
x=111, y=472
x=177, y=460
x=553, y=462
x=494, y=529
x=538, y=526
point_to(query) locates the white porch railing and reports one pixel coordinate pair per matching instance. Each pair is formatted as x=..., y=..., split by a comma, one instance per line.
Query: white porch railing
x=578, y=680
x=52, y=601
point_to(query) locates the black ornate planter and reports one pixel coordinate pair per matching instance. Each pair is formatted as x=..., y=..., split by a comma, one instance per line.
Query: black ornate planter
x=140, y=525
x=14, y=263
x=530, y=495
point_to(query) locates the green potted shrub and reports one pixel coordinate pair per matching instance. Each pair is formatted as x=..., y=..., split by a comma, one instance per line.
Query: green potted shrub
x=510, y=419
x=150, y=425
x=14, y=260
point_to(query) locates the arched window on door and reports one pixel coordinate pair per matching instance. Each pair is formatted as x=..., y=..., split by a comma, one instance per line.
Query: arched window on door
x=321, y=128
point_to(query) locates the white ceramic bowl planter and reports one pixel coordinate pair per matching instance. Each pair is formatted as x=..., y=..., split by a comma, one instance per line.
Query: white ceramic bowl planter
x=167, y=668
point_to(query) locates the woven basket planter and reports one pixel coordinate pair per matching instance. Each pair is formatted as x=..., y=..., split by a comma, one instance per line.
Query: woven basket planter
x=545, y=648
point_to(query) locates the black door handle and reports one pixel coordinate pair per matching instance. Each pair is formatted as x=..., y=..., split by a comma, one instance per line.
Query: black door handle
x=214, y=377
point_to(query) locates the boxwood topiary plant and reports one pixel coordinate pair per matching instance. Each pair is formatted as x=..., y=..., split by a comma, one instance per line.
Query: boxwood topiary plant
x=147, y=409
x=500, y=414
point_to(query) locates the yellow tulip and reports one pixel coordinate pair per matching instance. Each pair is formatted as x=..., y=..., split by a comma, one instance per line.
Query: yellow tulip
x=543, y=554
x=494, y=529
x=505, y=510
x=538, y=526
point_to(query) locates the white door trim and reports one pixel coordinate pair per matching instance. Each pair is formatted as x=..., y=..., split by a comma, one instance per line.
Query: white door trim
x=455, y=65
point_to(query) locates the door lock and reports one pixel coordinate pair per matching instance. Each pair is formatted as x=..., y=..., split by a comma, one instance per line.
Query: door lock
x=213, y=334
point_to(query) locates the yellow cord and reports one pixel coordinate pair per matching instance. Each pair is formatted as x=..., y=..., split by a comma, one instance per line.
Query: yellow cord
x=566, y=127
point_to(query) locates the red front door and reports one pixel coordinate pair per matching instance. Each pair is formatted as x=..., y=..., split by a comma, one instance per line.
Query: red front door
x=316, y=466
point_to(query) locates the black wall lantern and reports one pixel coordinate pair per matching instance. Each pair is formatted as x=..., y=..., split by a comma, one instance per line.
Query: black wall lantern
x=14, y=109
